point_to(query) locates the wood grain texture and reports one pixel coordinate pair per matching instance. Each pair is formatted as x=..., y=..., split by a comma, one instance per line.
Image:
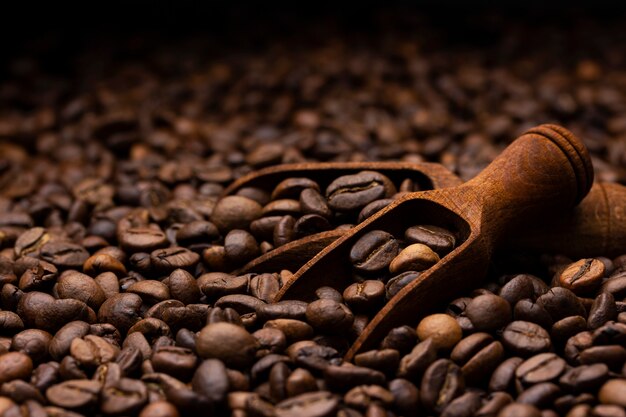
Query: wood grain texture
x=546, y=170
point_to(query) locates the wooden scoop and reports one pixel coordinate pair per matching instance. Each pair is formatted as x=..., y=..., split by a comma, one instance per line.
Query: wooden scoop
x=545, y=171
x=294, y=254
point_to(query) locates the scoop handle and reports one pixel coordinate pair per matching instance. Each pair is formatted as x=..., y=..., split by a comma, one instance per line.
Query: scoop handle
x=545, y=171
x=597, y=227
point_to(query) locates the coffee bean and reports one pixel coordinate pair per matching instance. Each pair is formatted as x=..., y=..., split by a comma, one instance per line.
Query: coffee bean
x=127, y=396
x=518, y=288
x=582, y=276
x=567, y=327
x=292, y=187
x=294, y=330
x=265, y=287
x=413, y=365
x=15, y=365
x=525, y=338
x=576, y=344
x=443, y=329
x=395, y=284
x=240, y=246
x=176, y=361
x=310, y=224
x=613, y=356
x=351, y=192
x=151, y=291
x=401, y=338
x=543, y=367
x=519, y=410
x=312, y=202
x=159, y=409
x=313, y=404
x=602, y=310
x=170, y=259
x=211, y=380
x=372, y=208
x=436, y=238
x=33, y=342
x=540, y=395
x=527, y=310
x=142, y=239
x=612, y=392
x=74, y=394
x=441, y=384
x=235, y=212
x=10, y=323
x=183, y=287
x=616, y=285
x=364, y=296
x=488, y=312
x=347, y=376
x=329, y=316
x=366, y=396
x=73, y=284
x=385, y=360
x=465, y=405
x=585, y=378
x=415, y=257
x=374, y=251
x=227, y=342
x=196, y=232
x=121, y=310
x=329, y=293
x=560, y=303
x=218, y=284
x=63, y=254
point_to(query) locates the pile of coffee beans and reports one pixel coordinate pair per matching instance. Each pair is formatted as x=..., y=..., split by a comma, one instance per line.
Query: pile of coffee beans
x=295, y=208
x=114, y=236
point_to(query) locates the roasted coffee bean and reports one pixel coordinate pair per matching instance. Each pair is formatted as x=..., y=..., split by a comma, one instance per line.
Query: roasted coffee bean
x=286, y=309
x=576, y=344
x=159, y=409
x=63, y=254
x=518, y=288
x=465, y=405
x=613, y=356
x=284, y=231
x=616, y=285
x=544, y=367
x=395, y=284
x=292, y=187
x=525, y=338
x=211, y=380
x=415, y=257
x=584, y=378
x=33, y=342
x=151, y=291
x=312, y=202
x=73, y=284
x=74, y=394
x=121, y=310
x=348, y=376
x=91, y=351
x=15, y=365
x=235, y=212
x=99, y=263
x=560, y=303
x=42, y=311
x=314, y=404
x=240, y=246
x=351, y=192
x=441, y=384
x=127, y=396
x=310, y=224
x=364, y=296
x=488, y=312
x=263, y=228
x=227, y=342
x=218, y=284
x=241, y=303
x=372, y=208
x=374, y=251
x=142, y=239
x=198, y=231
x=265, y=286
x=282, y=207
x=60, y=344
x=540, y=395
x=329, y=316
x=567, y=327
x=10, y=323
x=329, y=293
x=436, y=238
x=384, y=360
x=612, y=392
x=183, y=287
x=527, y=310
x=170, y=259
x=443, y=329
x=294, y=330
x=413, y=365
x=401, y=338
x=582, y=276
x=602, y=310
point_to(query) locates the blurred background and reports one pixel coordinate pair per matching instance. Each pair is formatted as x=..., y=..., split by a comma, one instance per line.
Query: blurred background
x=121, y=91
